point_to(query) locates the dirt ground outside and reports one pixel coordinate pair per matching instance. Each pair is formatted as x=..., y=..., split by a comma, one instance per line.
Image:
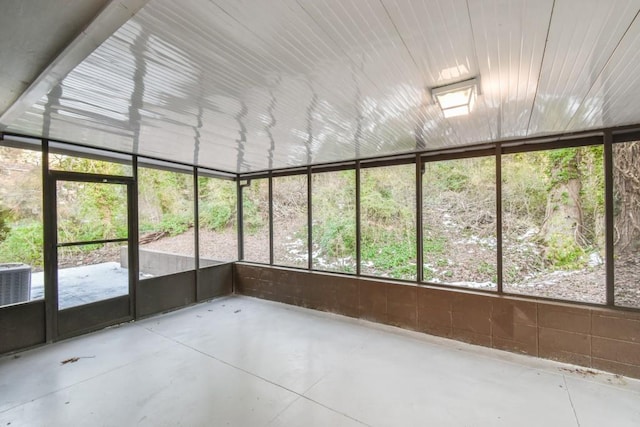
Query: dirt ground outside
x=582, y=285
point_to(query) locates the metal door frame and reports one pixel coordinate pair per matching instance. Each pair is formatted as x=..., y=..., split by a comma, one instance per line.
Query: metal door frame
x=52, y=246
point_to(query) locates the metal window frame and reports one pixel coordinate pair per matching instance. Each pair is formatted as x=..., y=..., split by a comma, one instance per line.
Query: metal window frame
x=196, y=230
x=609, y=218
x=243, y=183
x=497, y=150
x=309, y=220
x=270, y=189
x=499, y=236
x=358, y=172
x=419, y=221
x=418, y=211
x=48, y=193
x=606, y=137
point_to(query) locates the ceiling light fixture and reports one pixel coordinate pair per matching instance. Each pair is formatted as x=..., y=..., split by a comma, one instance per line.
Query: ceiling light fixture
x=456, y=99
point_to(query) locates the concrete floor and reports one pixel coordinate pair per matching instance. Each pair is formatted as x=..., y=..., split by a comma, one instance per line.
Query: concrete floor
x=244, y=362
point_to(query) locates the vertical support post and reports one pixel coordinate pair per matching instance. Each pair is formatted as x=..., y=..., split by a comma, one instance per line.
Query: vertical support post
x=358, y=225
x=49, y=248
x=133, y=243
x=196, y=232
x=270, y=219
x=499, y=261
x=309, y=220
x=419, y=230
x=239, y=221
x=609, y=217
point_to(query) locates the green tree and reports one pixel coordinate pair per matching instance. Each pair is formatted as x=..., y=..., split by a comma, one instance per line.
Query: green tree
x=626, y=176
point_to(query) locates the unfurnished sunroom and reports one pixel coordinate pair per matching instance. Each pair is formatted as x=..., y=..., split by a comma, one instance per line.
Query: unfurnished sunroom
x=462, y=169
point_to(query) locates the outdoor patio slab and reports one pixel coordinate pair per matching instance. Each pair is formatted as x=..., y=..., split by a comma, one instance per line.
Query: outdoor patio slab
x=85, y=284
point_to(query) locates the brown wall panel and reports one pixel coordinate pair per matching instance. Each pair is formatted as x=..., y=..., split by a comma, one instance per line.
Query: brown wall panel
x=522, y=339
x=514, y=311
x=617, y=351
x=22, y=326
x=347, y=294
x=616, y=367
x=600, y=338
x=90, y=317
x=564, y=346
x=472, y=313
x=402, y=306
x=215, y=281
x=372, y=301
x=159, y=294
x=564, y=317
x=435, y=312
x=619, y=326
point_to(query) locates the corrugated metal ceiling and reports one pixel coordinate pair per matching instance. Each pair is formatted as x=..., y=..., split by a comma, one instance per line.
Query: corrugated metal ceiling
x=32, y=33
x=251, y=85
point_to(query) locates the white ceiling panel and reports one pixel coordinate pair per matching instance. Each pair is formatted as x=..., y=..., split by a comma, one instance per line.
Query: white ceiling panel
x=439, y=37
x=614, y=97
x=510, y=41
x=249, y=85
x=575, y=57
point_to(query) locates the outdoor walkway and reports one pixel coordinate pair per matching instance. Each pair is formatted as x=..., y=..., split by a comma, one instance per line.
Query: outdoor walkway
x=244, y=362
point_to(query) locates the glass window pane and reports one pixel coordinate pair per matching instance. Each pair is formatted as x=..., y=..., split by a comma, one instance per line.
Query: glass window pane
x=459, y=222
x=90, y=211
x=21, y=237
x=388, y=221
x=626, y=237
x=334, y=221
x=218, y=234
x=166, y=217
x=70, y=158
x=255, y=221
x=91, y=273
x=553, y=224
x=290, y=221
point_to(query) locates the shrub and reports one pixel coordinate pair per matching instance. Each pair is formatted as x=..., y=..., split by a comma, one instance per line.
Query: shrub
x=563, y=252
x=217, y=203
x=390, y=252
x=5, y=217
x=216, y=217
x=23, y=243
x=175, y=224
x=336, y=235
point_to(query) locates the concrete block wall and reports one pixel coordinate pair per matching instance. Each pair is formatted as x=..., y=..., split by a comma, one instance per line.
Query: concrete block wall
x=159, y=263
x=601, y=338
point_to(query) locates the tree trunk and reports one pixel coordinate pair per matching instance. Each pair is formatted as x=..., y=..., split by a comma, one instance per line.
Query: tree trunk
x=626, y=185
x=562, y=230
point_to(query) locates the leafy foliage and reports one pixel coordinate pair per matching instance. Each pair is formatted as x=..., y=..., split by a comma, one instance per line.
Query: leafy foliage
x=23, y=243
x=336, y=235
x=5, y=219
x=525, y=186
x=563, y=253
x=255, y=207
x=165, y=200
x=91, y=211
x=459, y=213
x=217, y=203
x=388, y=221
